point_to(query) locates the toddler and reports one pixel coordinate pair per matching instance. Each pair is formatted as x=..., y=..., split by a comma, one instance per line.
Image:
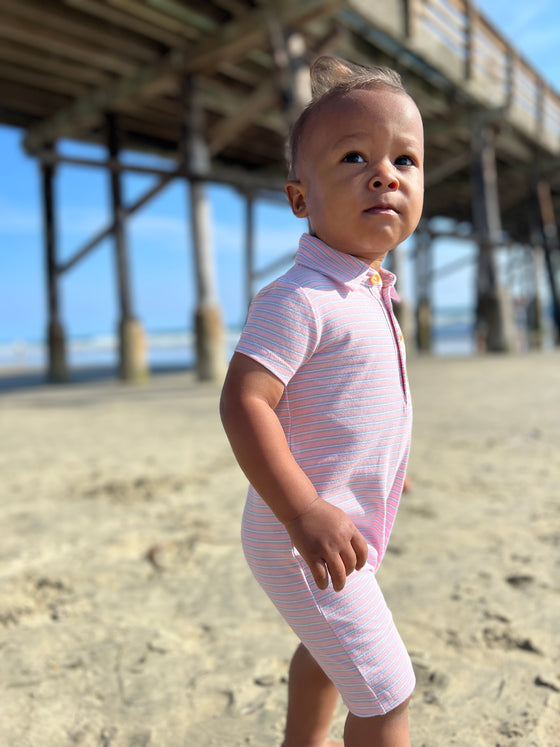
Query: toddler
x=316, y=406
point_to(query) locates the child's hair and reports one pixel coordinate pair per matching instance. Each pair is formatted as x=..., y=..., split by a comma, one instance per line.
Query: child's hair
x=331, y=78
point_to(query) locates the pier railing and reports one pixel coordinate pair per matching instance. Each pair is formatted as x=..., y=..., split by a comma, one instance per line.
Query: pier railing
x=459, y=41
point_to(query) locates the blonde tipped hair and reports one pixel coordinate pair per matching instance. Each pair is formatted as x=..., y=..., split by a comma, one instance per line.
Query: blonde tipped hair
x=330, y=73
x=331, y=78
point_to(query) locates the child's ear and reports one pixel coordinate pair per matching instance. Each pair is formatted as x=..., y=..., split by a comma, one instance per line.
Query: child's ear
x=296, y=198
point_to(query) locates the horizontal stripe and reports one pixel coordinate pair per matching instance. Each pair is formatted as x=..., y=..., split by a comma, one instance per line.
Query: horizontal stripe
x=331, y=337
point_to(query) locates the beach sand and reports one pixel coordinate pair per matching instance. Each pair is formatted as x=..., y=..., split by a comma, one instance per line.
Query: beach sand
x=129, y=618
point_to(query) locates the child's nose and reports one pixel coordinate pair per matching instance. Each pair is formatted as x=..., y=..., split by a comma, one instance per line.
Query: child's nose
x=384, y=176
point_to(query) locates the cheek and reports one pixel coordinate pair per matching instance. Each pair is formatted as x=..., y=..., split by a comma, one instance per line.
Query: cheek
x=417, y=201
x=420, y=203
x=316, y=204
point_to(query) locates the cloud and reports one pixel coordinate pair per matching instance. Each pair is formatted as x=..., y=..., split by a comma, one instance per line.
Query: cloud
x=170, y=230
x=269, y=243
x=18, y=219
x=83, y=221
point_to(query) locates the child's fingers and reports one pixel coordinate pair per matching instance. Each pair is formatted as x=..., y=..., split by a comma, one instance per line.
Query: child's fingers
x=320, y=574
x=349, y=558
x=361, y=549
x=337, y=571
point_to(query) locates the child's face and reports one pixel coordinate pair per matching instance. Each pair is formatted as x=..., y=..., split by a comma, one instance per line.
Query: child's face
x=360, y=173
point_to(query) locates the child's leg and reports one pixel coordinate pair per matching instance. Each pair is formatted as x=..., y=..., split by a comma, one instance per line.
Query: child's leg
x=390, y=730
x=312, y=698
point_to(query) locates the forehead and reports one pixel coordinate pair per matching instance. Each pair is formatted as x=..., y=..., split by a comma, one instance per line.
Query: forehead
x=362, y=111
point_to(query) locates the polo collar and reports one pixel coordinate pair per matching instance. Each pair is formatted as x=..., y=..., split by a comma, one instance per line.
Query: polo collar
x=342, y=268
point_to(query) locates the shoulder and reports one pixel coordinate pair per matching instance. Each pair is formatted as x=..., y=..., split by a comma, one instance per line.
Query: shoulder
x=302, y=285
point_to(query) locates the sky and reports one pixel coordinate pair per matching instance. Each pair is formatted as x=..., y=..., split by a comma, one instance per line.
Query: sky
x=162, y=272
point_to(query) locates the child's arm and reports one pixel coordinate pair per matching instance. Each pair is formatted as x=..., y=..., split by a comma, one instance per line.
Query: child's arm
x=321, y=532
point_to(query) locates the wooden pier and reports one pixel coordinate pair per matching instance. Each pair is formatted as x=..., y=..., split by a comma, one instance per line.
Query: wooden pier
x=213, y=86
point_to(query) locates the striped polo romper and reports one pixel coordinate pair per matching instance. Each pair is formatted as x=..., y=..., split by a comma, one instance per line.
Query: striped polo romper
x=326, y=329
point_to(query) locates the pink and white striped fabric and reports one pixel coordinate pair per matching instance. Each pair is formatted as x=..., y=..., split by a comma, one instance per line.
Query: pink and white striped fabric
x=327, y=330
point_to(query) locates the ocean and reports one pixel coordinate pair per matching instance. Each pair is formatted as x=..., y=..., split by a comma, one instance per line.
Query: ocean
x=452, y=336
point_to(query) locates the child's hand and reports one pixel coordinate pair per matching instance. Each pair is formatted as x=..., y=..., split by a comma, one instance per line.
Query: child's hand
x=324, y=535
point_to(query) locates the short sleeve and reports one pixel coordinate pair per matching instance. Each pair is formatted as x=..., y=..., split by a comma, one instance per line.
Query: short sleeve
x=281, y=331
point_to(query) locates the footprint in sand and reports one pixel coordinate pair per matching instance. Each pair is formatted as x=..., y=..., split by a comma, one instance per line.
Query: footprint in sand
x=520, y=580
x=504, y=638
x=428, y=681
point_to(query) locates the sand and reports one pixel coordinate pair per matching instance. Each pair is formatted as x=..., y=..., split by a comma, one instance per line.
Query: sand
x=129, y=618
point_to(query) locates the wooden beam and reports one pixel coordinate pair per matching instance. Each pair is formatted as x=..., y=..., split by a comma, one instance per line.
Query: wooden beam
x=267, y=187
x=423, y=271
x=292, y=67
x=34, y=36
x=47, y=172
x=228, y=129
x=56, y=21
x=24, y=57
x=494, y=312
x=154, y=17
x=461, y=119
x=42, y=79
x=197, y=158
x=210, y=358
x=180, y=12
x=257, y=181
x=121, y=253
x=15, y=97
x=57, y=369
x=218, y=98
x=551, y=249
x=119, y=17
x=132, y=347
x=446, y=169
x=249, y=247
x=108, y=230
x=231, y=41
x=235, y=7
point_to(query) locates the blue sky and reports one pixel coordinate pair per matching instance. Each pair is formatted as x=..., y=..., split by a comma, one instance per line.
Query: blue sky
x=159, y=243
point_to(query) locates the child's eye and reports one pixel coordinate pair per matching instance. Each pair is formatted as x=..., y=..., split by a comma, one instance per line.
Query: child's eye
x=404, y=161
x=353, y=157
